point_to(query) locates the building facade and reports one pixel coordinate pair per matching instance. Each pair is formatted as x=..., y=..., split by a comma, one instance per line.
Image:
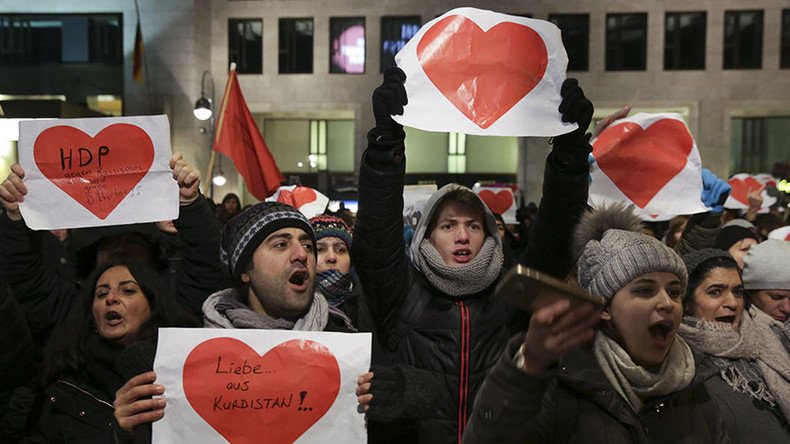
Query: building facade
x=307, y=69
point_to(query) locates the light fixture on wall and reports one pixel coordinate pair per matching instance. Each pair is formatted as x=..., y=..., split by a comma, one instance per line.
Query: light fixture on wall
x=219, y=178
x=203, y=105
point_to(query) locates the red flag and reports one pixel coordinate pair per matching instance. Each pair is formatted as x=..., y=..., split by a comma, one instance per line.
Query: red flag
x=137, y=68
x=239, y=138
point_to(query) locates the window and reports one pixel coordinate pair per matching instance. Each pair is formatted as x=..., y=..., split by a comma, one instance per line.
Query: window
x=309, y=146
x=743, y=39
x=63, y=38
x=395, y=32
x=296, y=46
x=684, y=40
x=465, y=154
x=758, y=144
x=785, y=55
x=347, y=45
x=245, y=45
x=575, y=37
x=626, y=42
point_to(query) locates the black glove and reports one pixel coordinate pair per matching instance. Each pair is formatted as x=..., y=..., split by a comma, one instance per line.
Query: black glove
x=389, y=99
x=402, y=392
x=576, y=108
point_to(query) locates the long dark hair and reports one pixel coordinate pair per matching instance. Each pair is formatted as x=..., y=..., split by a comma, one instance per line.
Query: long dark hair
x=68, y=350
x=698, y=274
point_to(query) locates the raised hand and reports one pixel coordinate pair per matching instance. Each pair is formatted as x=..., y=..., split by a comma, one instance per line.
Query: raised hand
x=554, y=330
x=13, y=191
x=389, y=98
x=188, y=178
x=575, y=108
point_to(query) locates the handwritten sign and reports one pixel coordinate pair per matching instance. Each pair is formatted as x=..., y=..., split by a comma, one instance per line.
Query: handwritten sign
x=99, y=171
x=486, y=73
x=650, y=160
x=500, y=200
x=307, y=200
x=241, y=385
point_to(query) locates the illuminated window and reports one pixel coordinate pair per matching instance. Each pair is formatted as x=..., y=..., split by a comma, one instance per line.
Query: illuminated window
x=395, y=32
x=743, y=39
x=575, y=30
x=684, y=40
x=296, y=46
x=347, y=45
x=456, y=153
x=245, y=45
x=626, y=42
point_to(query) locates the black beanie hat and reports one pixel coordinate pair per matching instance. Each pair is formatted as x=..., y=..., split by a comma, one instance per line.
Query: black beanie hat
x=731, y=234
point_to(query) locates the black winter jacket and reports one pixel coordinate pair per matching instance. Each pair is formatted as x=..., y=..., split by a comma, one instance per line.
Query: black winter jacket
x=575, y=403
x=458, y=341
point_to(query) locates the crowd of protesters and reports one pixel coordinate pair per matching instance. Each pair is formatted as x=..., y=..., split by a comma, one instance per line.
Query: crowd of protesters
x=692, y=343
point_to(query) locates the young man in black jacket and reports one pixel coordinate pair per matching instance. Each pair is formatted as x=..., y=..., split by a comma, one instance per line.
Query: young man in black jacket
x=434, y=308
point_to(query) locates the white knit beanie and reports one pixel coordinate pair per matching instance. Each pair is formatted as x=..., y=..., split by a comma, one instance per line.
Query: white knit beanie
x=765, y=267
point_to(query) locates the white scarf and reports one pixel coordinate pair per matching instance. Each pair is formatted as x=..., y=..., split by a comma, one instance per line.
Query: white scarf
x=633, y=382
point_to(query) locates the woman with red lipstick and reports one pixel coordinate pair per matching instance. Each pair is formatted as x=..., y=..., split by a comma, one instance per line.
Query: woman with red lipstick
x=754, y=367
x=638, y=382
x=123, y=305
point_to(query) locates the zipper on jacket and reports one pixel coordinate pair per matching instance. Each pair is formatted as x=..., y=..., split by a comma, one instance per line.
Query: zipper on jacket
x=60, y=381
x=463, y=386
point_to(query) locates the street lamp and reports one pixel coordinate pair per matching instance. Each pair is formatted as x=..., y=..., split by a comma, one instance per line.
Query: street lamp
x=203, y=105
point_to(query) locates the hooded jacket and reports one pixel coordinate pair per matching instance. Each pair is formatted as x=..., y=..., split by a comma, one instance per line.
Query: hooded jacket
x=576, y=403
x=456, y=339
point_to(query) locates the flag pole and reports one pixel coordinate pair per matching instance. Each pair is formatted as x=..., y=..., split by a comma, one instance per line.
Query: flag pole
x=217, y=132
x=148, y=84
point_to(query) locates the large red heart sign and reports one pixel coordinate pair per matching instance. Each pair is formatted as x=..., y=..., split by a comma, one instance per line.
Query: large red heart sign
x=298, y=197
x=483, y=74
x=640, y=161
x=98, y=172
x=742, y=187
x=273, y=398
x=498, y=202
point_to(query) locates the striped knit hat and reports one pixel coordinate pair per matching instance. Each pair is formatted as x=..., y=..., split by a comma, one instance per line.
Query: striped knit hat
x=242, y=234
x=613, y=254
x=331, y=226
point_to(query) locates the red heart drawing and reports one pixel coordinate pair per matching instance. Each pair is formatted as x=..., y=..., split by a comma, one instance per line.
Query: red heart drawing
x=741, y=187
x=498, y=202
x=273, y=398
x=642, y=161
x=483, y=74
x=98, y=172
x=298, y=197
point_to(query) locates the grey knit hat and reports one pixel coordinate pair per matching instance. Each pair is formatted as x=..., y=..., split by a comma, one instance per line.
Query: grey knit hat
x=242, y=234
x=612, y=253
x=765, y=266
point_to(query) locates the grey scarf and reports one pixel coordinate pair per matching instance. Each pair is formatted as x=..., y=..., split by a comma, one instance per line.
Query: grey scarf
x=224, y=310
x=740, y=352
x=466, y=279
x=635, y=383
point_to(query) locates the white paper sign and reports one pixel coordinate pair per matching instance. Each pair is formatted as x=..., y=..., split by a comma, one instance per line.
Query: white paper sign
x=485, y=73
x=274, y=386
x=307, y=200
x=414, y=199
x=500, y=200
x=742, y=184
x=96, y=172
x=650, y=160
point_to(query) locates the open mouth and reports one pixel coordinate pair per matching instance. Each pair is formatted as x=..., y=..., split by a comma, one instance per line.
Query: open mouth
x=113, y=318
x=726, y=319
x=661, y=332
x=299, y=278
x=463, y=255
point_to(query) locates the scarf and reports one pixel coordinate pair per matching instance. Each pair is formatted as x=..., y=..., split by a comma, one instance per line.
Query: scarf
x=335, y=286
x=99, y=369
x=224, y=310
x=633, y=382
x=738, y=353
x=470, y=278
